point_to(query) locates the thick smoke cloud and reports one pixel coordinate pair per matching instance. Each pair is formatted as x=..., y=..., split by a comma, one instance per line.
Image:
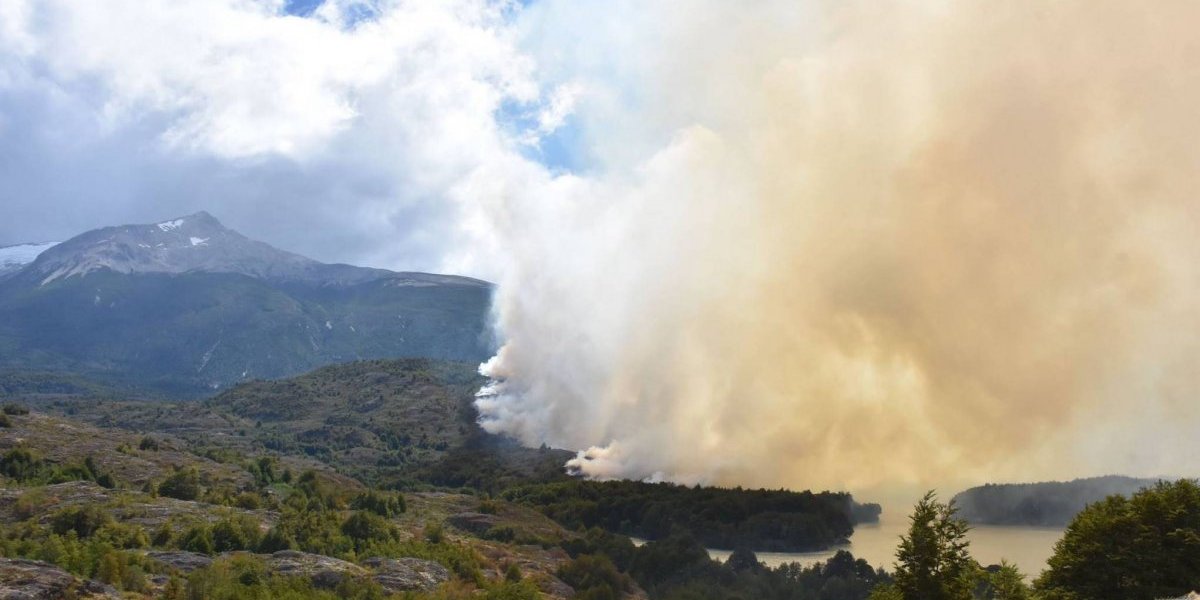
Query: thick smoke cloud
x=886, y=242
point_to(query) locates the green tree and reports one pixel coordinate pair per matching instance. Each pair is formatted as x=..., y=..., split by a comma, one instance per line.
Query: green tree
x=1143, y=547
x=1006, y=583
x=932, y=561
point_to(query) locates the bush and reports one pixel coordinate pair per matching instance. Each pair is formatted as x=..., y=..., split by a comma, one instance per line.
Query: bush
x=512, y=573
x=235, y=533
x=500, y=533
x=198, y=538
x=29, y=503
x=434, y=533
x=5, y=421
x=383, y=504
x=184, y=484
x=20, y=464
x=148, y=443
x=276, y=540
x=248, y=501
x=363, y=526
x=15, y=409
x=594, y=577
x=83, y=520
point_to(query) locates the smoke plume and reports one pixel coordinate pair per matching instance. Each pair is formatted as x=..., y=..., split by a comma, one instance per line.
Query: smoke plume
x=884, y=242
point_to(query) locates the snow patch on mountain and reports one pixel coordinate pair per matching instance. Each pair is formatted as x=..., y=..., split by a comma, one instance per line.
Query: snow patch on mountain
x=172, y=224
x=15, y=257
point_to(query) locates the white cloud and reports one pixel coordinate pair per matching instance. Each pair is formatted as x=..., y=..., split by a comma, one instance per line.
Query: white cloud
x=385, y=114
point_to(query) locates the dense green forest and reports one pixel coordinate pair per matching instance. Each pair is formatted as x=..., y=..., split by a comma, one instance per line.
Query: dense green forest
x=774, y=520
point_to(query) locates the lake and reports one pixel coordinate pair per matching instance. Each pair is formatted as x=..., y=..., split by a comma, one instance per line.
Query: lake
x=1026, y=547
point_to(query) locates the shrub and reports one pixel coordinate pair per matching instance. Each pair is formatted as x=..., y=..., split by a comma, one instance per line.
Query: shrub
x=500, y=533
x=383, y=504
x=276, y=540
x=198, y=538
x=434, y=533
x=83, y=520
x=123, y=535
x=15, y=409
x=30, y=503
x=163, y=535
x=183, y=484
x=5, y=421
x=364, y=526
x=512, y=572
x=20, y=464
x=248, y=500
x=148, y=443
x=593, y=577
x=235, y=533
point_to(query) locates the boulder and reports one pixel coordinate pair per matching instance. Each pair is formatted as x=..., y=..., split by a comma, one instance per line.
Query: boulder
x=181, y=560
x=473, y=522
x=397, y=575
x=322, y=571
x=554, y=588
x=36, y=580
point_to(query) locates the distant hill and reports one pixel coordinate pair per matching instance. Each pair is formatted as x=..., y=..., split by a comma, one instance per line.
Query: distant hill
x=405, y=422
x=188, y=305
x=1049, y=504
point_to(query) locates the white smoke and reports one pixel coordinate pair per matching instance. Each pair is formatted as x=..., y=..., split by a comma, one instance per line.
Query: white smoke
x=876, y=242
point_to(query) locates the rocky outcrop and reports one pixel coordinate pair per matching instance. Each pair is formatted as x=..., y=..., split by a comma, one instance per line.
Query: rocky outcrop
x=183, y=561
x=473, y=522
x=18, y=504
x=397, y=575
x=322, y=571
x=554, y=588
x=35, y=580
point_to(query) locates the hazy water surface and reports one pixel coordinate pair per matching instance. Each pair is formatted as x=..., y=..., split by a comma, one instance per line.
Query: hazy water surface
x=1026, y=547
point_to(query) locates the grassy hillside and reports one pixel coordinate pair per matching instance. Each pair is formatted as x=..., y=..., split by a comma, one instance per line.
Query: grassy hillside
x=400, y=423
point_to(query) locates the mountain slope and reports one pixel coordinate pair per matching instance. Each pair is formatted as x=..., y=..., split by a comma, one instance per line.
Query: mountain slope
x=187, y=305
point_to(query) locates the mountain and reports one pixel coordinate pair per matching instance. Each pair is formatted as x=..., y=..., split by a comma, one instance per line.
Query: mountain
x=188, y=305
x=13, y=258
x=1047, y=504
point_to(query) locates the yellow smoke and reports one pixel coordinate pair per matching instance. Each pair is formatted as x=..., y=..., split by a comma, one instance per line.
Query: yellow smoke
x=919, y=242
